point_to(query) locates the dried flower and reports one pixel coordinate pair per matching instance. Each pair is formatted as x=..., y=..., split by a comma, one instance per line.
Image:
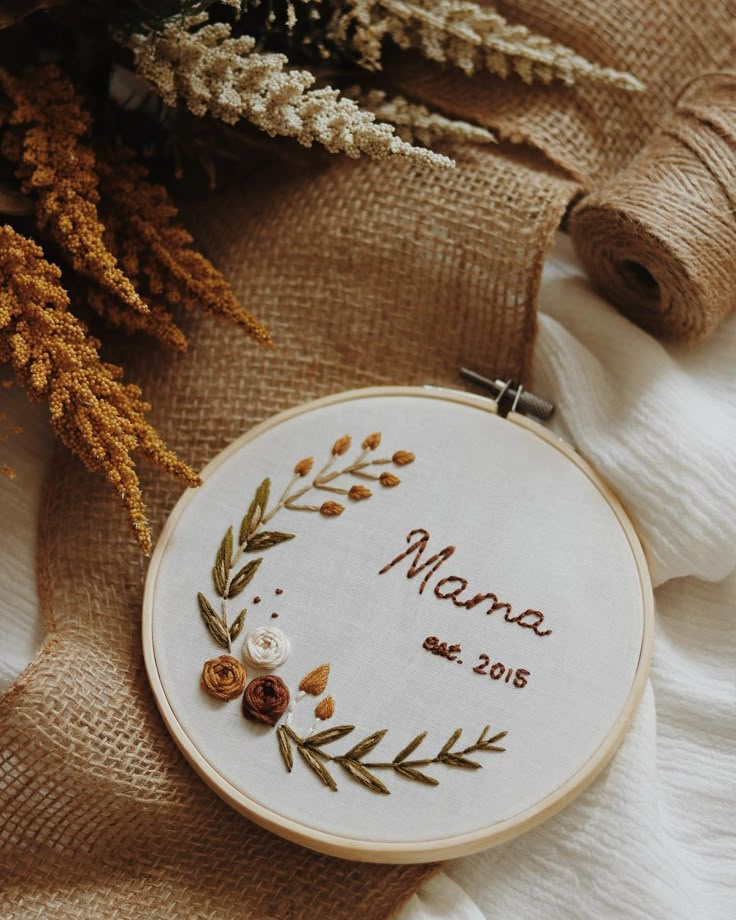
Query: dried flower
x=331, y=509
x=372, y=441
x=265, y=699
x=468, y=35
x=403, y=457
x=266, y=647
x=212, y=72
x=415, y=123
x=341, y=446
x=58, y=170
x=359, y=493
x=94, y=414
x=156, y=252
x=223, y=677
x=316, y=681
x=389, y=480
x=325, y=709
x=304, y=467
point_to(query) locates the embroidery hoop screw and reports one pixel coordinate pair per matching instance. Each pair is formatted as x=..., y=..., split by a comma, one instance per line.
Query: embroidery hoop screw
x=511, y=398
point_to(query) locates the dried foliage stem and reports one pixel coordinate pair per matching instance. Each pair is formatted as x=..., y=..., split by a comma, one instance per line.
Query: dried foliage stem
x=94, y=414
x=212, y=72
x=467, y=35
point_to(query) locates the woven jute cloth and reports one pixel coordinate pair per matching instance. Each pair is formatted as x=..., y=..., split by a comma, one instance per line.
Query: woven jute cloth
x=366, y=273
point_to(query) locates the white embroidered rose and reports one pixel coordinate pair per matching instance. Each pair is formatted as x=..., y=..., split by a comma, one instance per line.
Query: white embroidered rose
x=266, y=647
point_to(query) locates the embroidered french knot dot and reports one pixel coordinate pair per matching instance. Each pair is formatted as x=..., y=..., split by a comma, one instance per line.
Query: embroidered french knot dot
x=274, y=616
x=279, y=591
x=256, y=600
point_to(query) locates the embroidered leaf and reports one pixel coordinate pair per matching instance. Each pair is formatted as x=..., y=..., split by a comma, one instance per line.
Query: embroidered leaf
x=266, y=540
x=410, y=748
x=244, y=577
x=359, y=772
x=213, y=622
x=329, y=735
x=319, y=768
x=457, y=760
x=496, y=738
x=223, y=561
x=285, y=747
x=255, y=513
x=411, y=773
x=451, y=741
x=366, y=745
x=237, y=626
x=482, y=735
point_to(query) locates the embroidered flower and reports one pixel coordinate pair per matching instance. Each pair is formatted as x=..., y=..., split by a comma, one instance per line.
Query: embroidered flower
x=316, y=681
x=389, y=480
x=331, y=509
x=403, y=457
x=265, y=699
x=223, y=677
x=359, y=493
x=372, y=441
x=341, y=445
x=266, y=647
x=325, y=709
x=304, y=467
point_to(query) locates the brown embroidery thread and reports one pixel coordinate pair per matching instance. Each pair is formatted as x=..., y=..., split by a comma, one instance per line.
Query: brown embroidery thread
x=529, y=619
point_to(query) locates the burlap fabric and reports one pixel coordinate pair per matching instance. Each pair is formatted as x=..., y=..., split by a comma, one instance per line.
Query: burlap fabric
x=366, y=273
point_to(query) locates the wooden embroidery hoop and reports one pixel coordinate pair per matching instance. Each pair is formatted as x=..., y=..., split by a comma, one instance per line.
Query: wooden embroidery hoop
x=415, y=851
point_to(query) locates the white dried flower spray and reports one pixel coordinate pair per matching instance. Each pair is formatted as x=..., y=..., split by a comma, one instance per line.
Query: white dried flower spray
x=470, y=36
x=414, y=122
x=214, y=73
x=266, y=648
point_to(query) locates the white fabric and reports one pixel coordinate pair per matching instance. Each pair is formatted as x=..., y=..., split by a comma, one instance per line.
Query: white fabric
x=653, y=837
x=522, y=521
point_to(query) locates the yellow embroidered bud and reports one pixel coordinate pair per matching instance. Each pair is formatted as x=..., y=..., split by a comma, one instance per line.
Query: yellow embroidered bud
x=403, y=457
x=316, y=681
x=331, y=509
x=325, y=709
x=341, y=445
x=304, y=467
x=389, y=480
x=359, y=493
x=372, y=441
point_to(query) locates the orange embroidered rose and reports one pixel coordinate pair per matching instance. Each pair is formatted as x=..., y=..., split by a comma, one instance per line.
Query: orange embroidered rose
x=265, y=699
x=223, y=677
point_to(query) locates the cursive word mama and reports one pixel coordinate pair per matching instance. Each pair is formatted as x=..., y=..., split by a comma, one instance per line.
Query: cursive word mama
x=452, y=587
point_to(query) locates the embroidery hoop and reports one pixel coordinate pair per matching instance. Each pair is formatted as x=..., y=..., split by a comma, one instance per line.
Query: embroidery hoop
x=419, y=850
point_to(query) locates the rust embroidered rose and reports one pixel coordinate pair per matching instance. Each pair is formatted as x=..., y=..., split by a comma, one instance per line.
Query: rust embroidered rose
x=265, y=699
x=266, y=647
x=223, y=677
x=372, y=441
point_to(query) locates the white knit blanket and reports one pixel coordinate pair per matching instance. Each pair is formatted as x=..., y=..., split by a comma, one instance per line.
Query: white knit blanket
x=655, y=835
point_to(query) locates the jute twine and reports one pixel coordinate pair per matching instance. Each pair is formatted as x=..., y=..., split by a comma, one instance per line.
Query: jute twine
x=659, y=239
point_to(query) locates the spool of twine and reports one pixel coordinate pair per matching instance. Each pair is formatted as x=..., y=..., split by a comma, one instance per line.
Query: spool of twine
x=659, y=238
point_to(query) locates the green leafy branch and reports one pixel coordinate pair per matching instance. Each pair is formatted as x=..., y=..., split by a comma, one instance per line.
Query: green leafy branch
x=229, y=580
x=311, y=751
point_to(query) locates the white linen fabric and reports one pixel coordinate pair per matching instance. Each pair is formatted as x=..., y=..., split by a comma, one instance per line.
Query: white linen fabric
x=653, y=836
